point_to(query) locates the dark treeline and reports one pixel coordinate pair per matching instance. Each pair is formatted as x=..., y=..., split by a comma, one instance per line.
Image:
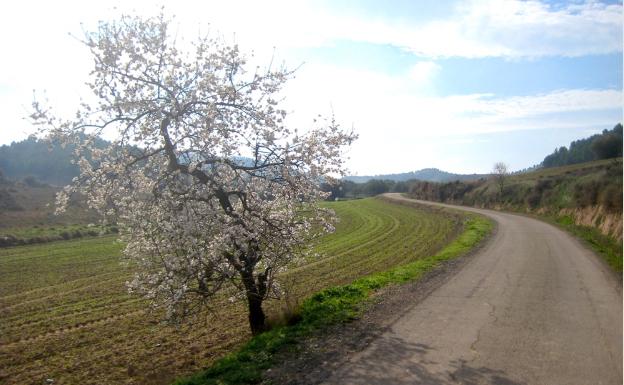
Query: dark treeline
x=600, y=146
x=346, y=189
x=40, y=161
x=32, y=157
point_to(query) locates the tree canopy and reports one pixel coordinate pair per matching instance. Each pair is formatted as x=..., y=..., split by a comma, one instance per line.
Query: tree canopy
x=600, y=146
x=212, y=191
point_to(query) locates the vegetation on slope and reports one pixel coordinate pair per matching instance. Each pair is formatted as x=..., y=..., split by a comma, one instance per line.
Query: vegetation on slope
x=24, y=205
x=606, y=145
x=37, y=158
x=584, y=198
x=16, y=236
x=588, y=184
x=66, y=314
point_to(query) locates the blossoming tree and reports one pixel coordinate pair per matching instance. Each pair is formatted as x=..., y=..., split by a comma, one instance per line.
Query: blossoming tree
x=212, y=192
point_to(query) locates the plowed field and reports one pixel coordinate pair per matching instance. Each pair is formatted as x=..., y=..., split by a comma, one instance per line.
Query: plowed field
x=65, y=314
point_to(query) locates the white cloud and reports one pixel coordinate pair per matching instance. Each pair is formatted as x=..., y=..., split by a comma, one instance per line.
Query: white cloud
x=423, y=71
x=398, y=124
x=476, y=28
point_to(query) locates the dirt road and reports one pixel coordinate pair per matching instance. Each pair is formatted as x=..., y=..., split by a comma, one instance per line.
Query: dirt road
x=534, y=306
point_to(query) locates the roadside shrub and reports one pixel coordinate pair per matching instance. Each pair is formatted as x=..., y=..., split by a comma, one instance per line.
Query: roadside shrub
x=543, y=185
x=586, y=194
x=534, y=199
x=31, y=181
x=513, y=194
x=8, y=202
x=8, y=240
x=611, y=198
x=614, y=170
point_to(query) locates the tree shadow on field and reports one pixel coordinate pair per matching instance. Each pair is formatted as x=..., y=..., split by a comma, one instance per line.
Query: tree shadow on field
x=392, y=360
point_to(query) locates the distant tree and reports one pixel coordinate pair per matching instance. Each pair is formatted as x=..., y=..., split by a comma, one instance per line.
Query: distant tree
x=376, y=186
x=558, y=158
x=609, y=144
x=335, y=189
x=500, y=172
x=400, y=187
x=31, y=181
x=196, y=219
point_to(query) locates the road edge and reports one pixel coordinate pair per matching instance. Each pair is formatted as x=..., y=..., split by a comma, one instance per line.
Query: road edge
x=320, y=354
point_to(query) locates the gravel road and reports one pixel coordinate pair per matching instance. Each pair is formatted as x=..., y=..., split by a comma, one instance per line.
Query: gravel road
x=533, y=306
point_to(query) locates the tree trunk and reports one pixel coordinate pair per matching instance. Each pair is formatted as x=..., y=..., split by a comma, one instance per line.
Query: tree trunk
x=256, y=314
x=255, y=288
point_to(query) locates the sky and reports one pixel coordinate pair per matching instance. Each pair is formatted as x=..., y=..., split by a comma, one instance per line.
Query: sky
x=457, y=85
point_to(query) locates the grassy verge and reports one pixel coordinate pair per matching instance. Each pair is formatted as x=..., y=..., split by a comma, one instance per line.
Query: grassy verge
x=606, y=247
x=329, y=306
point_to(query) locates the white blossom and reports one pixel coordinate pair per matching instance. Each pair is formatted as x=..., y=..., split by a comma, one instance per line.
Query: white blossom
x=211, y=191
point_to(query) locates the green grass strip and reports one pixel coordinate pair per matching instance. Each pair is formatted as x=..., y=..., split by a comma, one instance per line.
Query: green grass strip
x=607, y=247
x=327, y=307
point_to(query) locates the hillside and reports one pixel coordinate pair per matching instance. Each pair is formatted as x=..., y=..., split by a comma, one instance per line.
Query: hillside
x=586, y=194
x=37, y=158
x=426, y=174
x=30, y=203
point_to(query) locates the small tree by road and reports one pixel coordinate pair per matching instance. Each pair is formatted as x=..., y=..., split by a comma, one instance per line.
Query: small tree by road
x=213, y=192
x=500, y=172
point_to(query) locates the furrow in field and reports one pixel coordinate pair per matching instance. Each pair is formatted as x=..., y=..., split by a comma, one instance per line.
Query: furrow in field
x=379, y=256
x=376, y=235
x=33, y=327
x=73, y=321
x=66, y=297
x=72, y=328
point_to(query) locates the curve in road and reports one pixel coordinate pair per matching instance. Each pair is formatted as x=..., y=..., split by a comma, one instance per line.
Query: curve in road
x=533, y=306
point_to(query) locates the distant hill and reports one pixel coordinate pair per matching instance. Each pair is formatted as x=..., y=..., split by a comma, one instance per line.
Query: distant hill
x=52, y=164
x=426, y=174
x=36, y=158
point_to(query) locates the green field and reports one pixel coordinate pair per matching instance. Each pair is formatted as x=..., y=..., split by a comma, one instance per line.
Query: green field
x=65, y=314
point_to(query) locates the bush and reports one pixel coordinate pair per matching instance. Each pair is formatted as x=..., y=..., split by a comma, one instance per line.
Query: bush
x=31, y=181
x=586, y=194
x=8, y=240
x=543, y=185
x=8, y=202
x=534, y=199
x=611, y=198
